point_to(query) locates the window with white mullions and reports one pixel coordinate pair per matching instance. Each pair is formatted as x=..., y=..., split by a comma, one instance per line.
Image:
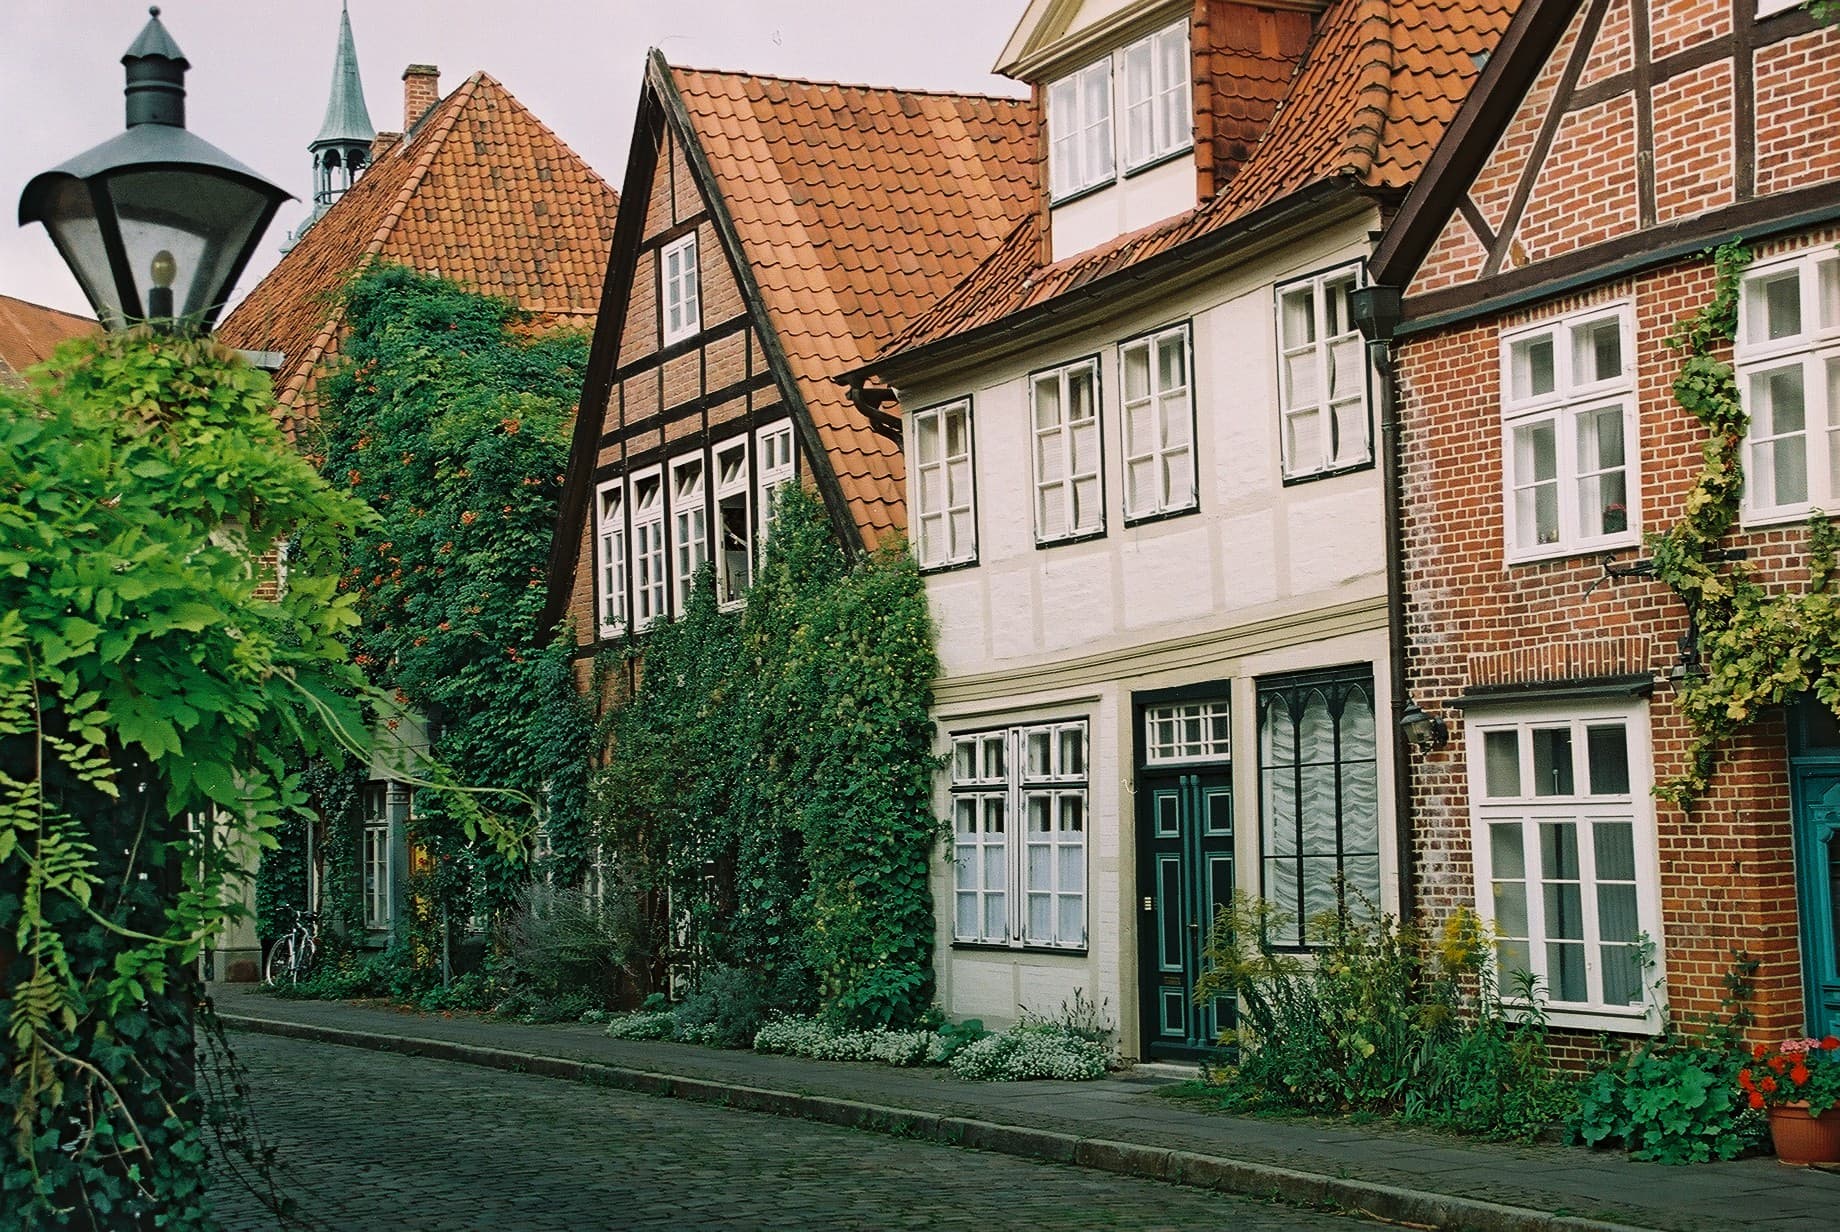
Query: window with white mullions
x=1036, y=773
x=1185, y=732
x=683, y=313
x=1323, y=385
x=689, y=526
x=610, y=547
x=1788, y=362
x=1080, y=130
x=776, y=464
x=650, y=588
x=1159, y=424
x=1069, y=495
x=734, y=524
x=374, y=855
x=944, y=516
x=1158, y=114
x=1563, y=829
x=1568, y=421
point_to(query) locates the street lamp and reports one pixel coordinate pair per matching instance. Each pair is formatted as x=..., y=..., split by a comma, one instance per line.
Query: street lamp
x=157, y=224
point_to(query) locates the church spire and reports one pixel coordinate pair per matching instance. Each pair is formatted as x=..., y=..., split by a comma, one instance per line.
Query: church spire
x=343, y=148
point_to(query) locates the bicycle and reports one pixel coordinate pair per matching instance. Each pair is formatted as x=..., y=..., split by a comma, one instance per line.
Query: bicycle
x=292, y=956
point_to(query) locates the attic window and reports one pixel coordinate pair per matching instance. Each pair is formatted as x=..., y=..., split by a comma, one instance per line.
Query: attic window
x=1157, y=109
x=1149, y=84
x=1080, y=130
x=683, y=315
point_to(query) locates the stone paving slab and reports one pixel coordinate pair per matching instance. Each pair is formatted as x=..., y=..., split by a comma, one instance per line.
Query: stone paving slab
x=1400, y=1174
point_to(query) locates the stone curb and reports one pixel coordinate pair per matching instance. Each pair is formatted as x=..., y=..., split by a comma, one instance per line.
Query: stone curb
x=1412, y=1207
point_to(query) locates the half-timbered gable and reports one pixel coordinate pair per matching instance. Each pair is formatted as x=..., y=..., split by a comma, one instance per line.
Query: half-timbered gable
x=1558, y=239
x=778, y=231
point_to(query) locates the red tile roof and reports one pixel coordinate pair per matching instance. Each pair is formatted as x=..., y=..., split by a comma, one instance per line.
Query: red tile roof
x=481, y=192
x=30, y=332
x=1376, y=89
x=857, y=207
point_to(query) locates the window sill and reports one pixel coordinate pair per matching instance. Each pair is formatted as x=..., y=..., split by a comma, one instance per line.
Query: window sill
x=1152, y=164
x=1164, y=516
x=1064, y=540
x=1353, y=468
x=951, y=566
x=1581, y=1018
x=1547, y=553
x=1077, y=194
x=1765, y=519
x=999, y=947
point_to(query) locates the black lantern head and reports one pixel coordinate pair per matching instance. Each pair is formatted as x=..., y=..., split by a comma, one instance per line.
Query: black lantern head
x=1425, y=732
x=155, y=223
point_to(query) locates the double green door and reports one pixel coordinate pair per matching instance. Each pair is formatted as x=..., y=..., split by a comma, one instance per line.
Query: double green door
x=1184, y=875
x=1817, y=874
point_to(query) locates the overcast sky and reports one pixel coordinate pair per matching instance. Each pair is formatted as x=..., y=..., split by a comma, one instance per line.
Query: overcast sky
x=261, y=70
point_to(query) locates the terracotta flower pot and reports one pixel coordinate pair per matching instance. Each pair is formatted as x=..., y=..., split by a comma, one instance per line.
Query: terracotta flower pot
x=1802, y=1139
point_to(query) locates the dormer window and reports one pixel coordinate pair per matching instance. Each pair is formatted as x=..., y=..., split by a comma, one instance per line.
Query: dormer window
x=1148, y=82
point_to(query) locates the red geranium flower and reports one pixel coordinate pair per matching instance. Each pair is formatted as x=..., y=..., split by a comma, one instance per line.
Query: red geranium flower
x=1830, y=1042
x=1756, y=1100
x=1799, y=1075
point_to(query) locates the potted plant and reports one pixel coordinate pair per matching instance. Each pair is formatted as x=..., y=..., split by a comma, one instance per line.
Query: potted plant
x=1799, y=1082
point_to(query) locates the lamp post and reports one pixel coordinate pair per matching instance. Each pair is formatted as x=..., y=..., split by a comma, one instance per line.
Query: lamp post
x=156, y=223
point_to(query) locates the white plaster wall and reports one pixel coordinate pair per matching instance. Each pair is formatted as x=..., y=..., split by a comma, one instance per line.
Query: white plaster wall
x=1132, y=201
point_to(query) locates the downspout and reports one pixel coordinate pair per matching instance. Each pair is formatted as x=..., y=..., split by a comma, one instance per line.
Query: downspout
x=1376, y=311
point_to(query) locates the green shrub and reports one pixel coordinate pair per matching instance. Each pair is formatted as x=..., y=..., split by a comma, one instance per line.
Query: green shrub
x=823, y=1040
x=643, y=1025
x=1672, y=1101
x=724, y=1008
x=1033, y=1049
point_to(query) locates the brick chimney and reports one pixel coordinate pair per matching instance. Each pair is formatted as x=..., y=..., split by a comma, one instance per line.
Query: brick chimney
x=421, y=90
x=382, y=144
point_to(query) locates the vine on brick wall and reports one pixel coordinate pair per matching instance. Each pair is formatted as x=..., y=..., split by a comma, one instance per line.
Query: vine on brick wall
x=1758, y=647
x=772, y=774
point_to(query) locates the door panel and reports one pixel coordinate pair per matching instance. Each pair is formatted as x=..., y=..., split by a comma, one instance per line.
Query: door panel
x=1817, y=874
x=1185, y=875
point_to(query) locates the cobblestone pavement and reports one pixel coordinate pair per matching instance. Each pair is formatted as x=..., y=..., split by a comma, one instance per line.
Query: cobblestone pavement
x=369, y=1140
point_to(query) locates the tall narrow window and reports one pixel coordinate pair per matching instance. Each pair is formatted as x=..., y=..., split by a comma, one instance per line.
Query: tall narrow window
x=683, y=313
x=776, y=462
x=944, y=514
x=1069, y=497
x=734, y=524
x=1568, y=429
x=1320, y=796
x=1563, y=844
x=1158, y=116
x=610, y=546
x=649, y=585
x=1788, y=359
x=689, y=527
x=1037, y=774
x=1322, y=377
x=1159, y=425
x=374, y=857
x=1080, y=130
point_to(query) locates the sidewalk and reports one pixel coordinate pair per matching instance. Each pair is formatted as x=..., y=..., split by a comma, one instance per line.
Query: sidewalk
x=1115, y=1124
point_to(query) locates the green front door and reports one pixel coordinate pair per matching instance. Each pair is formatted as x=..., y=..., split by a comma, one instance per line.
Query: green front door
x=1817, y=874
x=1184, y=874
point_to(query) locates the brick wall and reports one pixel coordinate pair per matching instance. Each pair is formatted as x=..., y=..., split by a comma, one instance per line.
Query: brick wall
x=1726, y=873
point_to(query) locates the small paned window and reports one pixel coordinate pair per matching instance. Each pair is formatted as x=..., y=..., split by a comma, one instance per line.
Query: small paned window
x=777, y=466
x=1563, y=834
x=1322, y=376
x=944, y=511
x=1158, y=116
x=1568, y=435
x=610, y=547
x=1080, y=130
x=1019, y=819
x=374, y=855
x=1159, y=424
x=683, y=313
x=1069, y=494
x=1788, y=362
x=1319, y=792
x=1187, y=731
x=649, y=584
x=734, y=524
x=689, y=527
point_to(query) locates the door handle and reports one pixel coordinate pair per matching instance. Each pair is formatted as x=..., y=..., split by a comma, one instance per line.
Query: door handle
x=1149, y=903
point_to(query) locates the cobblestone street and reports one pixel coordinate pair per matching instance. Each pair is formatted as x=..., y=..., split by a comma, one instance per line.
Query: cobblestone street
x=371, y=1141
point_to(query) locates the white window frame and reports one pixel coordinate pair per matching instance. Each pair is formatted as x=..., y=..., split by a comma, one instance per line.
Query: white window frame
x=1328, y=333
x=942, y=486
x=649, y=581
x=1565, y=407
x=995, y=773
x=777, y=454
x=1585, y=810
x=1075, y=496
x=1814, y=351
x=734, y=563
x=1082, y=152
x=689, y=525
x=375, y=856
x=1164, y=451
x=681, y=289
x=1160, y=65
x=610, y=555
x=1188, y=733
x=1768, y=8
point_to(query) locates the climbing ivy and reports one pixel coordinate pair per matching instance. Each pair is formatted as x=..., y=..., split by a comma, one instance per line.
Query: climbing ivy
x=1757, y=647
x=770, y=775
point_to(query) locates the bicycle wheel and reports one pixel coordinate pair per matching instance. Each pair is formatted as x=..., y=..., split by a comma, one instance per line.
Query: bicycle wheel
x=302, y=965
x=280, y=960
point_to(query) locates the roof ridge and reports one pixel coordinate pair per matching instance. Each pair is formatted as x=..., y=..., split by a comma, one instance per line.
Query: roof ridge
x=33, y=304
x=742, y=75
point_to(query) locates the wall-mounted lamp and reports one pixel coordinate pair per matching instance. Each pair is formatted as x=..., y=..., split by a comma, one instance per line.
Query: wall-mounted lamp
x=1425, y=732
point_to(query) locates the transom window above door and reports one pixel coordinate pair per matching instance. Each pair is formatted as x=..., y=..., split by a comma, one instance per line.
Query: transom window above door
x=1570, y=473
x=1187, y=732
